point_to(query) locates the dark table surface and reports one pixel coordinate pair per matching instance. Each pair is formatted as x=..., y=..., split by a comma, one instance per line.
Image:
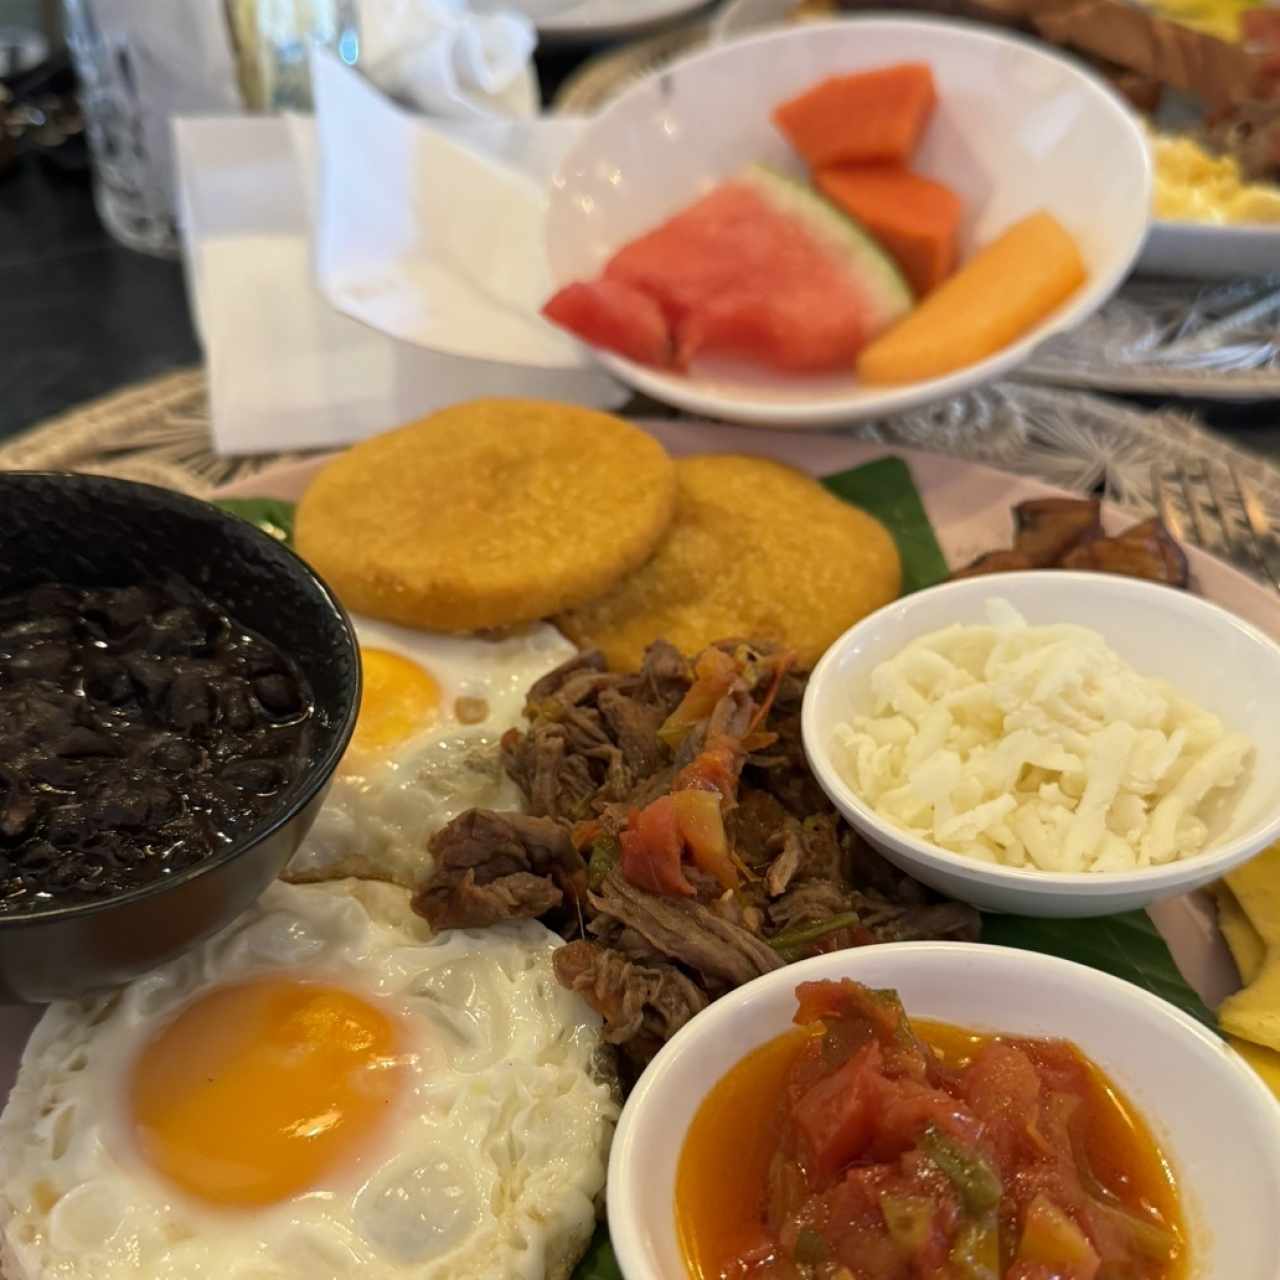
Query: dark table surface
x=81, y=316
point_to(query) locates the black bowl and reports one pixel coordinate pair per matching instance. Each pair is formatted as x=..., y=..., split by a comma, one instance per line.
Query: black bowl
x=90, y=531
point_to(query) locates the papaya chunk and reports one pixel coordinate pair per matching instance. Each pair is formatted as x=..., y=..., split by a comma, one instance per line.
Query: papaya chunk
x=864, y=117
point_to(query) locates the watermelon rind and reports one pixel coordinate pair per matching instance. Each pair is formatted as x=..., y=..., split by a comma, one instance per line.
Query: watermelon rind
x=870, y=269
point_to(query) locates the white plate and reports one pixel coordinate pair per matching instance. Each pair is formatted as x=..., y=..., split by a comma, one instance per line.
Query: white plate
x=612, y=19
x=1014, y=132
x=969, y=507
x=1193, y=249
x=1208, y=252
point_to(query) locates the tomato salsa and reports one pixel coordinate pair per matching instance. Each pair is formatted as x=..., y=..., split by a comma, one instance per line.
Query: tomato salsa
x=862, y=1146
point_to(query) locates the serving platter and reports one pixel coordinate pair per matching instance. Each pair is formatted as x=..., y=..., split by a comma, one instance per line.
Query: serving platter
x=969, y=507
x=1176, y=338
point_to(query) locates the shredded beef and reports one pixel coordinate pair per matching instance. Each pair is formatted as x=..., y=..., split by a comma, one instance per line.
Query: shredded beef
x=497, y=866
x=590, y=758
x=687, y=931
x=790, y=853
x=642, y=1005
x=634, y=726
x=587, y=661
x=808, y=903
x=665, y=677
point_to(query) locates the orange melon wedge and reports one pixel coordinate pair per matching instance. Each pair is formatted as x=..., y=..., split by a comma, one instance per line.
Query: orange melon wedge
x=1001, y=293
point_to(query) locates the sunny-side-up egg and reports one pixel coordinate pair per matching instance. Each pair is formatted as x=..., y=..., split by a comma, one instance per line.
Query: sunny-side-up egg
x=425, y=747
x=321, y=1091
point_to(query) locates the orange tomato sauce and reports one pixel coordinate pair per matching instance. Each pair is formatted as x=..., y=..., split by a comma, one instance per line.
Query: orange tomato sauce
x=722, y=1176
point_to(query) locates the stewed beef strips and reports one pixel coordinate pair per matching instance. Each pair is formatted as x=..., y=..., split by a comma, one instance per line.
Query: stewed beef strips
x=141, y=729
x=1067, y=533
x=676, y=836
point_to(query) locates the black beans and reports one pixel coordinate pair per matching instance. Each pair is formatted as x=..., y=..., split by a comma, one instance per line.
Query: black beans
x=190, y=702
x=141, y=728
x=259, y=777
x=106, y=680
x=17, y=805
x=279, y=694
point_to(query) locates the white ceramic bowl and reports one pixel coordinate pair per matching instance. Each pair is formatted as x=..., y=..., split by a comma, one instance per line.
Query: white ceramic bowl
x=1220, y=662
x=1017, y=129
x=1214, y=1119
x=1200, y=250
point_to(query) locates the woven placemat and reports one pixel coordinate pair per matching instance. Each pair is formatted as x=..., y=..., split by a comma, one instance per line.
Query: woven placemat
x=159, y=432
x=155, y=431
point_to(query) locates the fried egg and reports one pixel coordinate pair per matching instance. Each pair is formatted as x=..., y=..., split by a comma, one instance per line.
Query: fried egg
x=322, y=1090
x=425, y=747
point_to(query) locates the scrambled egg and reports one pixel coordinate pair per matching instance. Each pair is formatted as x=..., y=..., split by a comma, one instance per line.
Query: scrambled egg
x=1194, y=186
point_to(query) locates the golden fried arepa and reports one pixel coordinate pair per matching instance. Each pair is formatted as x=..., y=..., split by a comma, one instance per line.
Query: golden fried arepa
x=487, y=514
x=757, y=550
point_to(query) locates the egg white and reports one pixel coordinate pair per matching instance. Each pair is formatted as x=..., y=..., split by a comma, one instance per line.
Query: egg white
x=491, y=1167
x=384, y=806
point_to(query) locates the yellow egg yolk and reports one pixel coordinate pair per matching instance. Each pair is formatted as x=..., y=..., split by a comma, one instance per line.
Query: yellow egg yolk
x=256, y=1091
x=398, y=698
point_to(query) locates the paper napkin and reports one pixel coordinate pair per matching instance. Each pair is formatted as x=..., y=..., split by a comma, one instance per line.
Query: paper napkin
x=286, y=371
x=432, y=231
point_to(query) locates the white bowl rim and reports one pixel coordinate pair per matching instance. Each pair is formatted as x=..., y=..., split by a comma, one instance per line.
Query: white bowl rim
x=627, y=1234
x=1084, y=883
x=846, y=406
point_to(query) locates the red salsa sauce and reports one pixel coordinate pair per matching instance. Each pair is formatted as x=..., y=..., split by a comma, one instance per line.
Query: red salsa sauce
x=861, y=1146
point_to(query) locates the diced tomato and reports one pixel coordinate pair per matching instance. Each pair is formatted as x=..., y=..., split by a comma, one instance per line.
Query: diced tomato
x=827, y=1001
x=716, y=768
x=1002, y=1088
x=833, y=1119
x=702, y=826
x=1059, y=1065
x=834, y=1001
x=714, y=672
x=782, y=663
x=908, y=1108
x=652, y=849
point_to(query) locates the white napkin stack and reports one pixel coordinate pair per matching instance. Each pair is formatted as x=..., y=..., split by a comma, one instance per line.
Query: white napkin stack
x=356, y=271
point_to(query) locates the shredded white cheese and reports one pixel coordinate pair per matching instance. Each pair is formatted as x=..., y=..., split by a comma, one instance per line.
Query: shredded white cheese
x=1038, y=747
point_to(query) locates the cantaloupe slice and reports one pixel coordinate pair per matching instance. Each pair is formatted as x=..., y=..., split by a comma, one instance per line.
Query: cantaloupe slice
x=1003, y=291
x=868, y=116
x=913, y=217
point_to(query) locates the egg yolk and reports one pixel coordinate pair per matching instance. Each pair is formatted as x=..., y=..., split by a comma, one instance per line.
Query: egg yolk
x=256, y=1091
x=398, y=698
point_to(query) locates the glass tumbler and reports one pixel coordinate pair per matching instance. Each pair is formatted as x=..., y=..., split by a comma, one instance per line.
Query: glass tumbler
x=142, y=62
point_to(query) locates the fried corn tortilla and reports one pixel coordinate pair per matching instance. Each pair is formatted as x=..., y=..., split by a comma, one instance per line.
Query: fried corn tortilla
x=487, y=514
x=758, y=550
x=1244, y=942
x=1254, y=1012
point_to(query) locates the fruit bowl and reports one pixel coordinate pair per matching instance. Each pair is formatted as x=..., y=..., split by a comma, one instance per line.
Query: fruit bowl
x=1017, y=129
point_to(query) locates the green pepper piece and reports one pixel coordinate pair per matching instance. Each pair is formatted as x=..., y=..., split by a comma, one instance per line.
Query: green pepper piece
x=793, y=944
x=975, y=1252
x=970, y=1174
x=908, y=1219
x=605, y=854
x=811, y=1248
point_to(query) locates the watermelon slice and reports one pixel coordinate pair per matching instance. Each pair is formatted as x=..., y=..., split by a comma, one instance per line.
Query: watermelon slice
x=613, y=315
x=761, y=267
